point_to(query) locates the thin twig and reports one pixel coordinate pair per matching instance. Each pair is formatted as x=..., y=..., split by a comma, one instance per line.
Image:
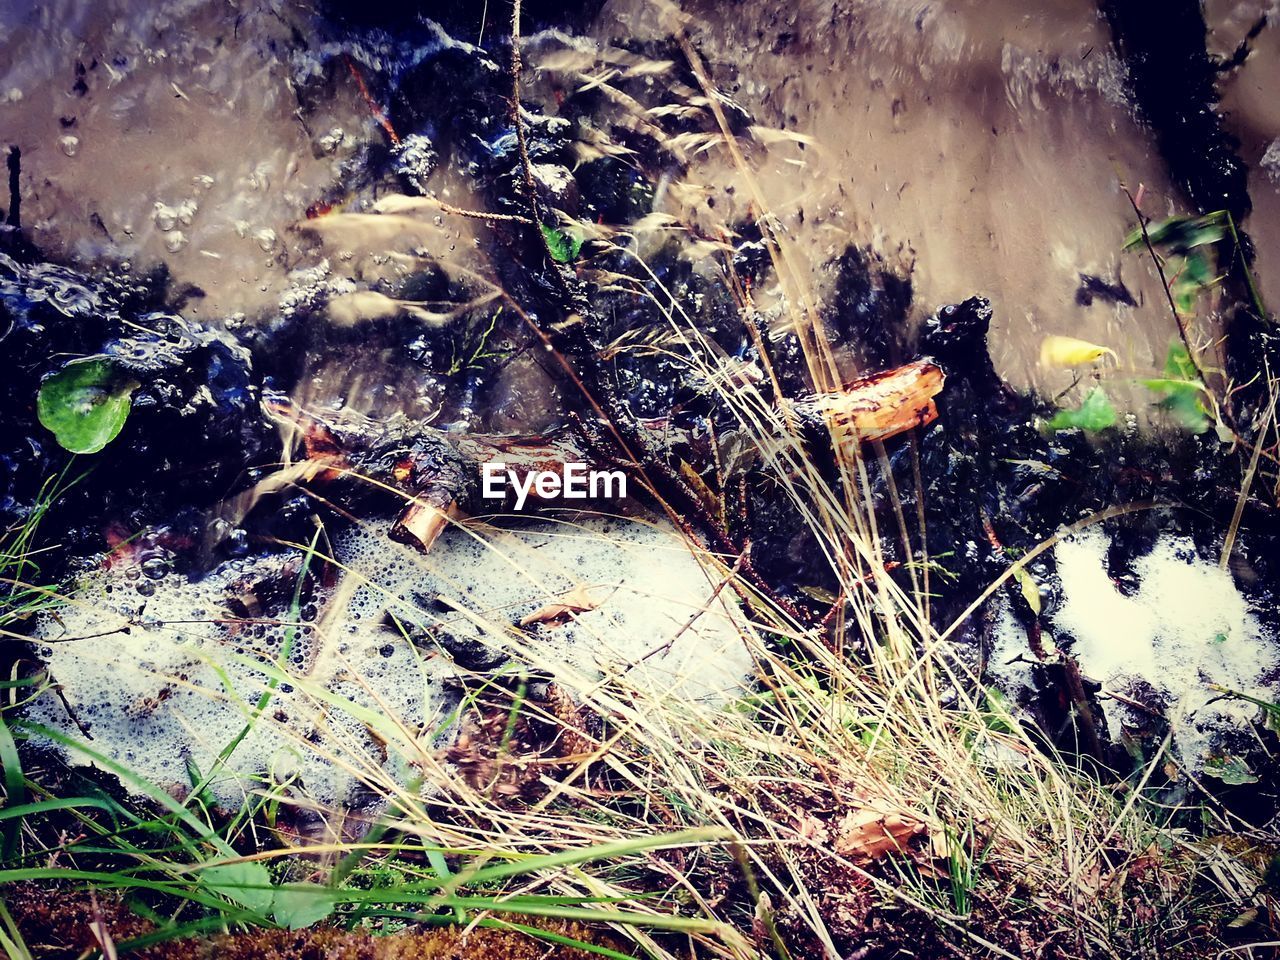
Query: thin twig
x=569, y=340
x=487, y=217
x=1164, y=283
x=724, y=582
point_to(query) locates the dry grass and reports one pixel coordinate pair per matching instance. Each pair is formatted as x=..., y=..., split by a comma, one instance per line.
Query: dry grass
x=995, y=847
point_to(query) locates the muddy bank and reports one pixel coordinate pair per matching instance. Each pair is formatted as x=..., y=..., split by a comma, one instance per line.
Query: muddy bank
x=605, y=273
x=937, y=136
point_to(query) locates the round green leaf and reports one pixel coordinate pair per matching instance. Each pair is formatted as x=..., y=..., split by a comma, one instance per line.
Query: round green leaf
x=299, y=905
x=85, y=404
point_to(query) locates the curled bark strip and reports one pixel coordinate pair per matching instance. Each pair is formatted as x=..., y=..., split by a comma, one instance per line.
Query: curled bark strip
x=422, y=522
x=878, y=406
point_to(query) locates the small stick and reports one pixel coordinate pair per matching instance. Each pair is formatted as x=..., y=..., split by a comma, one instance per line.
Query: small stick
x=487, y=217
x=376, y=110
x=1164, y=282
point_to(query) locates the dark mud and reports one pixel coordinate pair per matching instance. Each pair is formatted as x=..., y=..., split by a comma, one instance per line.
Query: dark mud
x=1174, y=81
x=993, y=482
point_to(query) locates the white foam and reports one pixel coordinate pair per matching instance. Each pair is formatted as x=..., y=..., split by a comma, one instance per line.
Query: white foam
x=643, y=578
x=185, y=679
x=1185, y=630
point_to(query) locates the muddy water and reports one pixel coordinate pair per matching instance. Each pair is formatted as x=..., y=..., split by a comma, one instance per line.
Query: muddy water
x=981, y=146
x=169, y=133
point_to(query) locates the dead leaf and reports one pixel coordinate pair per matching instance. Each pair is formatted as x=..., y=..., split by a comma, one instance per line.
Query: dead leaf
x=1091, y=880
x=1056, y=351
x=577, y=600
x=869, y=832
x=1245, y=919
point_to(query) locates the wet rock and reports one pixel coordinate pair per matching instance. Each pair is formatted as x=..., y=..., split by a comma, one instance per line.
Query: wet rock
x=556, y=187
x=614, y=191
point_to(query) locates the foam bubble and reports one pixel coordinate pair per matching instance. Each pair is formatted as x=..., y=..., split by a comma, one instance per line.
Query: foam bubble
x=1183, y=632
x=165, y=680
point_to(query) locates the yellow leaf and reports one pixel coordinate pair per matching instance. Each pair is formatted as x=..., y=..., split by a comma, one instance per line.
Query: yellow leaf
x=1056, y=351
x=1030, y=589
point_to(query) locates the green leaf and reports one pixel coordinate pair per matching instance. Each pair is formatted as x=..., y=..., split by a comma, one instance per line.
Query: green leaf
x=1193, y=278
x=85, y=404
x=1183, y=401
x=1094, y=414
x=1180, y=392
x=563, y=244
x=1181, y=234
x=1230, y=770
x=299, y=905
x=247, y=883
x=998, y=713
x=1178, y=364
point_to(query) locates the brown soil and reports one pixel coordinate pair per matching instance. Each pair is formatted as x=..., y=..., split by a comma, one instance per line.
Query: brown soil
x=57, y=923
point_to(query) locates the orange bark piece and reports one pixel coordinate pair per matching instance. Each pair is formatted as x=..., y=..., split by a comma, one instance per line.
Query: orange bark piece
x=882, y=405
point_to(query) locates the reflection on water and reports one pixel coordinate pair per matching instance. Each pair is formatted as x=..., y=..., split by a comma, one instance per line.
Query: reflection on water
x=981, y=146
x=980, y=142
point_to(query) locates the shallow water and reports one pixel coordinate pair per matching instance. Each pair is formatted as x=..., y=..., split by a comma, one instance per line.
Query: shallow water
x=980, y=146
x=166, y=133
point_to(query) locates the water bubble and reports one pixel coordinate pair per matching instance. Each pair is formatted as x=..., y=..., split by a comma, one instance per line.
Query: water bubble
x=155, y=567
x=166, y=217
x=266, y=239
x=175, y=240
x=69, y=145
